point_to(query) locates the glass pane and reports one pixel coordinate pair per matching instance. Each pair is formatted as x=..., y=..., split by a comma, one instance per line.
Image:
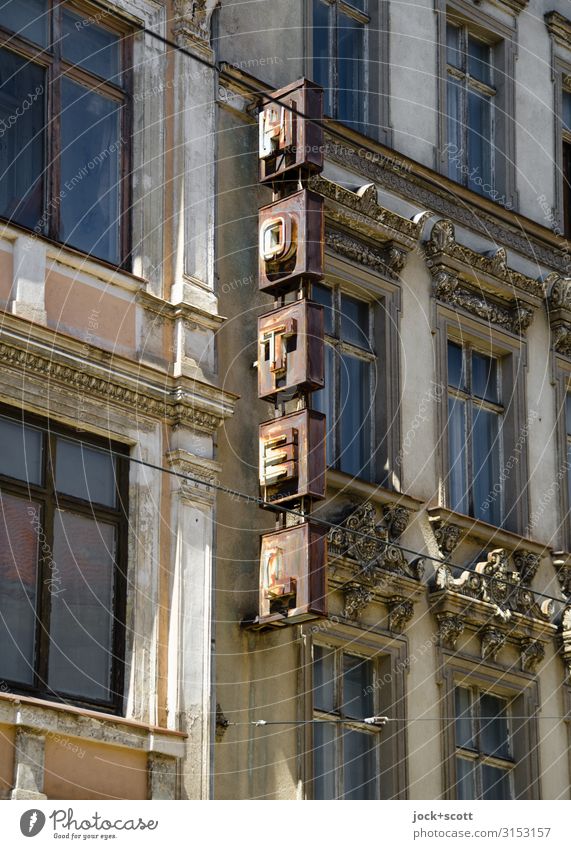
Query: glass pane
x=465, y=784
x=359, y=773
x=355, y=321
x=355, y=414
x=323, y=678
x=22, y=90
x=485, y=377
x=456, y=372
x=494, y=733
x=453, y=54
x=324, y=296
x=324, y=760
x=479, y=143
x=351, y=72
x=28, y=18
x=567, y=110
x=85, y=473
x=357, y=687
x=20, y=451
x=496, y=782
x=568, y=413
x=454, y=151
x=94, y=48
x=82, y=608
x=323, y=401
x=479, y=60
x=486, y=459
x=321, y=51
x=20, y=526
x=464, y=730
x=361, y=5
x=90, y=164
x=457, y=478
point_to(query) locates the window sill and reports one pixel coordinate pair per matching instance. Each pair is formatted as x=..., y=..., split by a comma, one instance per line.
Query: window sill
x=54, y=718
x=490, y=536
x=341, y=483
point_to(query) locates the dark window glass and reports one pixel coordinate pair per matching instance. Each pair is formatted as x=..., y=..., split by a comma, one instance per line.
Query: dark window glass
x=567, y=111
x=324, y=296
x=324, y=757
x=485, y=377
x=28, y=18
x=324, y=679
x=91, y=46
x=465, y=779
x=322, y=51
x=20, y=525
x=354, y=321
x=479, y=142
x=351, y=51
x=479, y=60
x=355, y=415
x=359, y=765
x=90, y=165
x=323, y=400
x=567, y=188
x=464, y=727
x=22, y=88
x=20, y=451
x=82, y=607
x=453, y=52
x=456, y=375
x=496, y=782
x=494, y=726
x=357, y=687
x=458, y=474
x=85, y=473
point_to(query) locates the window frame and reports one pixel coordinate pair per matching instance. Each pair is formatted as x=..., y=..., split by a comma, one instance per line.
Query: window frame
x=475, y=755
x=57, y=69
x=503, y=38
x=520, y=690
x=390, y=656
x=511, y=352
x=562, y=379
x=376, y=121
x=472, y=402
x=340, y=346
x=562, y=202
x=51, y=500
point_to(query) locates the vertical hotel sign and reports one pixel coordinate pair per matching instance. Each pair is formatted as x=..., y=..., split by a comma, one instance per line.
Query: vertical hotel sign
x=293, y=557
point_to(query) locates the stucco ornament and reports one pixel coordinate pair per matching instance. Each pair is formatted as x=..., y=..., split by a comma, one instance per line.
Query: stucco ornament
x=532, y=653
x=194, y=16
x=400, y=613
x=492, y=641
x=450, y=628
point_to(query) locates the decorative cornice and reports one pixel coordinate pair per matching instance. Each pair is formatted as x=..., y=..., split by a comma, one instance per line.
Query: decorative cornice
x=558, y=304
x=559, y=28
x=447, y=289
x=389, y=260
x=516, y=6
x=566, y=639
x=447, y=536
x=485, y=270
x=450, y=629
x=360, y=211
x=364, y=557
x=171, y=400
x=397, y=174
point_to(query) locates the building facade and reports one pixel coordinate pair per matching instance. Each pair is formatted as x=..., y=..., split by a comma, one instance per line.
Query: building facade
x=446, y=302
x=110, y=401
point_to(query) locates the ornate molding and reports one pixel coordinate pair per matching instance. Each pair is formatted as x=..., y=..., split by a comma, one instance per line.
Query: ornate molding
x=532, y=653
x=494, y=582
x=367, y=564
x=450, y=629
x=389, y=260
x=492, y=640
x=558, y=304
x=447, y=290
x=400, y=613
x=192, y=22
x=397, y=175
x=447, y=537
x=559, y=28
x=566, y=639
x=361, y=212
x=562, y=564
x=516, y=6
x=173, y=403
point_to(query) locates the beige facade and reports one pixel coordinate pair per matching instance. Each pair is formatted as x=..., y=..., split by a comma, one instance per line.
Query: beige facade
x=440, y=603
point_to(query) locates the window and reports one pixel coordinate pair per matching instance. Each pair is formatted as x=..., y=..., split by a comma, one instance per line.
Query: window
x=340, y=36
x=345, y=751
x=62, y=552
x=566, y=160
x=64, y=128
x=347, y=399
x=470, y=96
x=474, y=433
x=484, y=762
